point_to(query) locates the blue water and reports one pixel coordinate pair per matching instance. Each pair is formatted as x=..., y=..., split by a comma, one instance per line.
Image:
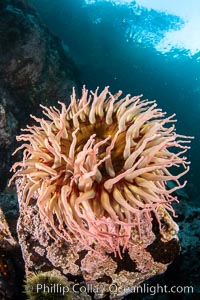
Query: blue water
x=149, y=47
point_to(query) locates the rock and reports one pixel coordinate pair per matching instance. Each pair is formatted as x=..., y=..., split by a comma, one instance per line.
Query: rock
x=188, y=264
x=6, y=239
x=8, y=256
x=103, y=274
x=34, y=69
x=8, y=130
x=10, y=208
x=34, y=66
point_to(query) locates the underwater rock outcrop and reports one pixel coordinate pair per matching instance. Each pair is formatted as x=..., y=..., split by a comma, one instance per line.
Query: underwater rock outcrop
x=98, y=276
x=94, y=204
x=33, y=67
x=88, y=274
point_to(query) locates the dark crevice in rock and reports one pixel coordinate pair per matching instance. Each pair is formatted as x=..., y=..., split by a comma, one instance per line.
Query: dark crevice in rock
x=105, y=278
x=75, y=278
x=126, y=263
x=81, y=254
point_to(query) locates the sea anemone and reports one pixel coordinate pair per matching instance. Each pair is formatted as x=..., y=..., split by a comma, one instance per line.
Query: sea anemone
x=99, y=168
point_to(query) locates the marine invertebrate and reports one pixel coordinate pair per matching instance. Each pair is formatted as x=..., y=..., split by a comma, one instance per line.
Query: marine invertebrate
x=47, y=285
x=99, y=167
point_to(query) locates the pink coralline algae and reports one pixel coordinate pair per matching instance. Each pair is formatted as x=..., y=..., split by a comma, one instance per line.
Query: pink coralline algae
x=94, y=178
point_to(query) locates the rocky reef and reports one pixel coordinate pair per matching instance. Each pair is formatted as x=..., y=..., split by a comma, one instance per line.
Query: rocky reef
x=99, y=276
x=34, y=69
